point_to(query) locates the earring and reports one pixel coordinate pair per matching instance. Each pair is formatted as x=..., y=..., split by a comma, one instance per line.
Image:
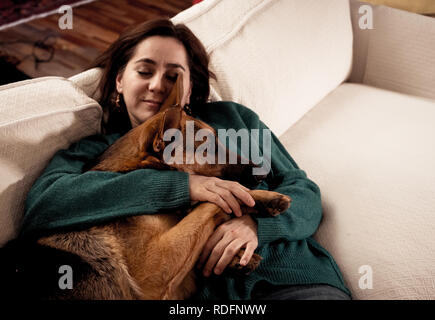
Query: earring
x=117, y=101
x=187, y=109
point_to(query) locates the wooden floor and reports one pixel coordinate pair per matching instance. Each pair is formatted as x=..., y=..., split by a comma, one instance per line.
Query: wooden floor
x=95, y=26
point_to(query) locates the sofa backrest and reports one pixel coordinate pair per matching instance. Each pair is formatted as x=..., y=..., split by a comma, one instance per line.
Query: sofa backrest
x=397, y=54
x=266, y=56
x=37, y=118
x=279, y=58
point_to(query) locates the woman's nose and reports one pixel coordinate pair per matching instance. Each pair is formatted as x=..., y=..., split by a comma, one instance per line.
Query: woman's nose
x=156, y=84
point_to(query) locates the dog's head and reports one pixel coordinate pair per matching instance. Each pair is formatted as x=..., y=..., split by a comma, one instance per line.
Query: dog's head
x=174, y=140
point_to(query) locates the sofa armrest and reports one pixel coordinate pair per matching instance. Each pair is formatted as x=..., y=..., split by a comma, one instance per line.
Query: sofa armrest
x=38, y=117
x=398, y=54
x=88, y=81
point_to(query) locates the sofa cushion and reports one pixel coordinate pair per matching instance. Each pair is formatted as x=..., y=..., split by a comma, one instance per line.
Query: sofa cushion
x=372, y=153
x=88, y=81
x=37, y=118
x=269, y=58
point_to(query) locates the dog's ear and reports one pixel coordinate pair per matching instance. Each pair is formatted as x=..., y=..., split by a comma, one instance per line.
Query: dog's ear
x=151, y=162
x=171, y=120
x=174, y=98
x=172, y=114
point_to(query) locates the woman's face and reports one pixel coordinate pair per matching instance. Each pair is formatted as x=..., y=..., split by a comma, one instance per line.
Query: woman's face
x=150, y=74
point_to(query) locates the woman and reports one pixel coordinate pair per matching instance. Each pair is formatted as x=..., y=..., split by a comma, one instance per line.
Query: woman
x=140, y=69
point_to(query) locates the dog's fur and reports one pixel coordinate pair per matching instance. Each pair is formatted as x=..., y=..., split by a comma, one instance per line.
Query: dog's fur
x=147, y=256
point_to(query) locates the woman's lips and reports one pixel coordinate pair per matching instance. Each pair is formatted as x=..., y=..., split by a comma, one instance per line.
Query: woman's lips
x=152, y=103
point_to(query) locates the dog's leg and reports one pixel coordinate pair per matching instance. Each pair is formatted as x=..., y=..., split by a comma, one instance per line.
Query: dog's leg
x=104, y=274
x=172, y=255
x=169, y=257
x=266, y=202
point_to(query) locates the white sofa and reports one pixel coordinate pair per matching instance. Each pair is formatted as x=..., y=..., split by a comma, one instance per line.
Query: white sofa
x=354, y=107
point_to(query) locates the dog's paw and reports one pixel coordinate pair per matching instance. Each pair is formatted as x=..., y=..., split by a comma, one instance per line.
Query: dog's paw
x=237, y=268
x=278, y=205
x=270, y=202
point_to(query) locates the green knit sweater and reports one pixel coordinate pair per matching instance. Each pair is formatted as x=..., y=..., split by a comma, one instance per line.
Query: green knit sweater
x=65, y=198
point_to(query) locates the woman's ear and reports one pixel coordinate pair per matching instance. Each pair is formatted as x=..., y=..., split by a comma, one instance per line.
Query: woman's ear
x=119, y=82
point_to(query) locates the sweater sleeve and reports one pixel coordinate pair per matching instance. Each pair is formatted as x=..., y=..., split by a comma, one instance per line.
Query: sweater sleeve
x=303, y=217
x=64, y=197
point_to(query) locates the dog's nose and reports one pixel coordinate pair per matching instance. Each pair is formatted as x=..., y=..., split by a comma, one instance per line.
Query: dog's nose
x=259, y=177
x=252, y=180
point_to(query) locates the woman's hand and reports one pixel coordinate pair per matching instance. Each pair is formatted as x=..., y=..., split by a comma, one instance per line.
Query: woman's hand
x=223, y=193
x=226, y=242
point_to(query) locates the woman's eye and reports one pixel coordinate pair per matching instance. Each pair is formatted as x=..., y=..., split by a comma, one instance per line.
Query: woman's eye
x=144, y=73
x=172, y=78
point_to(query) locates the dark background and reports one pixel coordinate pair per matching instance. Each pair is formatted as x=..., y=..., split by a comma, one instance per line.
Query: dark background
x=40, y=48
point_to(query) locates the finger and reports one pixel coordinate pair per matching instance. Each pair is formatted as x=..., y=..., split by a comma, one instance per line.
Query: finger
x=211, y=243
x=217, y=199
x=228, y=196
x=249, y=251
x=228, y=255
x=239, y=191
x=244, y=188
x=215, y=255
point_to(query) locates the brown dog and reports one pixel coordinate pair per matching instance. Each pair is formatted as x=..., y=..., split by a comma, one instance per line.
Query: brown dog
x=153, y=256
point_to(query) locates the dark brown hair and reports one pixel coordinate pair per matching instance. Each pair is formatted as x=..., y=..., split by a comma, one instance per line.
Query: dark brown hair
x=116, y=57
